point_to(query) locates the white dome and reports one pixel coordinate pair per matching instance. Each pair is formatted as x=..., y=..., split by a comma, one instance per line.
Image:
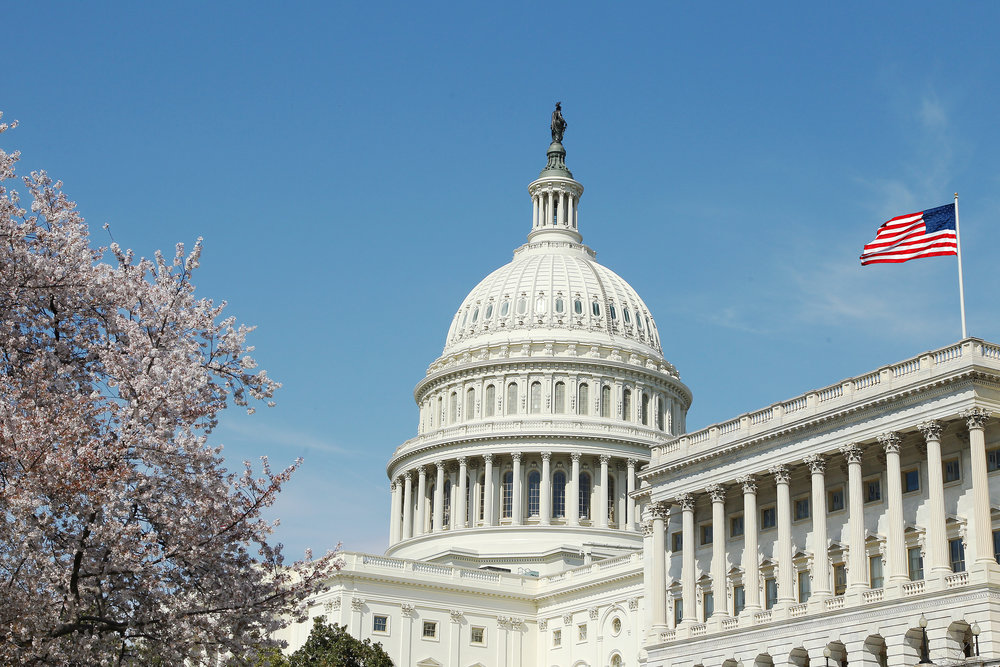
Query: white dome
x=553, y=290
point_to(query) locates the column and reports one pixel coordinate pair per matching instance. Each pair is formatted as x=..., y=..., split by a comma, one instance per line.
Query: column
x=602, y=498
x=938, y=562
x=981, y=526
x=857, y=567
x=407, y=505
x=718, y=495
x=658, y=603
x=821, y=555
x=895, y=546
x=686, y=501
x=534, y=212
x=458, y=520
x=570, y=211
x=573, y=492
x=421, y=526
x=488, y=518
x=545, y=491
x=439, y=499
x=783, y=550
x=630, y=501
x=751, y=557
x=394, y=513
x=516, y=490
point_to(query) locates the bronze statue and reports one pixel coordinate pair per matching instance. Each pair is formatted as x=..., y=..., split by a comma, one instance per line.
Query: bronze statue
x=558, y=124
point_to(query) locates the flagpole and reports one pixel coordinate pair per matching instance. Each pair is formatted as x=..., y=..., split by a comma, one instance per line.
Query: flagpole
x=961, y=284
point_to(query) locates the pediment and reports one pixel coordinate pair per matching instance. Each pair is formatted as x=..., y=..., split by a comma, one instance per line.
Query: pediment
x=429, y=662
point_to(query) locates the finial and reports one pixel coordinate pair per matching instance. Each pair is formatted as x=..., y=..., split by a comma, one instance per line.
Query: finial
x=558, y=124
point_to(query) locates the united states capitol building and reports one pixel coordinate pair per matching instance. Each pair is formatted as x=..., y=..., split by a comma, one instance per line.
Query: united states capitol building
x=553, y=510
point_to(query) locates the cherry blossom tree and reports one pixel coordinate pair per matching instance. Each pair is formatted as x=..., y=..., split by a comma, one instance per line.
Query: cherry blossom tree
x=123, y=537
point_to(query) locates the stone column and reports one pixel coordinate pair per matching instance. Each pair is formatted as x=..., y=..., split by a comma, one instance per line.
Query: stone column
x=718, y=494
x=421, y=526
x=488, y=516
x=895, y=545
x=629, y=501
x=439, y=498
x=658, y=604
x=516, y=490
x=534, y=212
x=602, y=504
x=459, y=519
x=857, y=570
x=821, y=557
x=982, y=532
x=545, y=491
x=394, y=513
x=686, y=501
x=783, y=550
x=407, y=505
x=751, y=556
x=938, y=564
x=573, y=492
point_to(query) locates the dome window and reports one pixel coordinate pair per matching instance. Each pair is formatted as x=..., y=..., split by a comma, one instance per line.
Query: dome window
x=596, y=309
x=649, y=326
x=540, y=305
x=638, y=321
x=504, y=308
x=614, y=313
x=464, y=318
x=489, y=312
x=628, y=316
x=522, y=306
x=578, y=307
x=475, y=315
x=560, y=305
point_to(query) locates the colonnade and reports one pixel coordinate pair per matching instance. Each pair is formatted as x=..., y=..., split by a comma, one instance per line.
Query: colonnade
x=554, y=206
x=893, y=547
x=514, y=488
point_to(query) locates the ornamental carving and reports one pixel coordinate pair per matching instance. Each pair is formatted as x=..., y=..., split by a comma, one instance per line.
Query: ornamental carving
x=516, y=622
x=631, y=463
x=503, y=621
x=456, y=615
x=516, y=457
x=357, y=603
x=406, y=608
x=593, y=611
x=816, y=463
x=567, y=619
x=748, y=482
x=976, y=418
x=782, y=475
x=462, y=461
x=543, y=625
x=930, y=429
x=575, y=456
x=604, y=458
x=686, y=501
x=546, y=456
x=633, y=603
x=646, y=527
x=717, y=492
x=488, y=459
x=852, y=453
x=659, y=510
x=890, y=442
x=440, y=466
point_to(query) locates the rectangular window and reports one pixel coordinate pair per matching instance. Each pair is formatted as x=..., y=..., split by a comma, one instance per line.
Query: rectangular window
x=839, y=579
x=805, y=587
x=706, y=533
x=915, y=563
x=770, y=592
x=952, y=470
x=380, y=623
x=477, y=635
x=430, y=630
x=736, y=526
x=708, y=605
x=801, y=509
x=581, y=632
x=956, y=550
x=911, y=480
x=677, y=541
x=835, y=499
x=557, y=638
x=875, y=571
x=873, y=490
x=768, y=518
x=678, y=611
x=993, y=460
x=739, y=599
x=996, y=545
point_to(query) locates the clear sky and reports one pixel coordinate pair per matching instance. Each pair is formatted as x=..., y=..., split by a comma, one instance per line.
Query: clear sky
x=356, y=170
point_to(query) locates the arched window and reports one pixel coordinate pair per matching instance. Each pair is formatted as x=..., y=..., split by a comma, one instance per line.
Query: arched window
x=507, y=495
x=659, y=411
x=489, y=312
x=470, y=404
x=429, y=508
x=453, y=408
x=644, y=408
x=560, y=305
x=522, y=306
x=595, y=308
x=512, y=398
x=491, y=400
x=611, y=499
x=559, y=494
x=606, y=401
x=504, y=308
x=447, y=503
x=475, y=315
x=578, y=307
x=614, y=313
x=468, y=499
x=540, y=305
x=583, y=399
x=536, y=397
x=482, y=496
x=560, y=398
x=627, y=404
x=534, y=486
x=584, y=495
x=440, y=411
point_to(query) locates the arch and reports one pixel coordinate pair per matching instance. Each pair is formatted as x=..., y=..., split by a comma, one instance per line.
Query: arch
x=763, y=660
x=559, y=398
x=534, y=488
x=730, y=662
x=507, y=495
x=958, y=640
x=799, y=657
x=535, y=395
x=876, y=647
x=584, y=495
x=559, y=494
x=627, y=404
x=838, y=653
x=490, y=401
x=583, y=399
x=616, y=659
x=606, y=401
x=470, y=404
x=512, y=398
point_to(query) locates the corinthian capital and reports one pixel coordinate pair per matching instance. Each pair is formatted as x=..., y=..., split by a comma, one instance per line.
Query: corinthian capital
x=749, y=483
x=659, y=510
x=976, y=418
x=931, y=429
x=852, y=453
x=891, y=442
x=782, y=475
x=717, y=492
x=816, y=463
x=686, y=501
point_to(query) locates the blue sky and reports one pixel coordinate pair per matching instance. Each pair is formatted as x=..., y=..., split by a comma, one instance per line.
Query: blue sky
x=356, y=170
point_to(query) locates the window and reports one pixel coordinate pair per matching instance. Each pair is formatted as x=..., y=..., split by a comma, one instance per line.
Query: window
x=560, y=398
x=380, y=623
x=952, y=470
x=911, y=480
x=489, y=312
x=584, y=495
x=430, y=630
x=578, y=307
x=708, y=605
x=611, y=499
x=557, y=638
x=996, y=545
x=677, y=541
x=504, y=308
x=956, y=551
x=628, y=315
x=915, y=563
x=614, y=313
x=536, y=397
x=875, y=571
x=768, y=517
x=739, y=599
x=835, y=499
x=491, y=400
x=678, y=611
x=475, y=315
x=706, y=533
x=534, y=486
x=993, y=460
x=512, y=398
x=644, y=408
x=453, y=408
x=446, y=520
x=583, y=399
x=477, y=635
x=507, y=495
x=736, y=526
x=873, y=490
x=801, y=509
x=627, y=404
x=522, y=306
x=616, y=626
x=470, y=404
x=839, y=579
x=560, y=305
x=482, y=495
x=606, y=401
x=770, y=592
x=659, y=412
x=805, y=587
x=581, y=632
x=595, y=308
x=559, y=494
x=540, y=305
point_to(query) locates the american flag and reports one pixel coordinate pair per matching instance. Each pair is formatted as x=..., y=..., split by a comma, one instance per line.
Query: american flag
x=929, y=233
